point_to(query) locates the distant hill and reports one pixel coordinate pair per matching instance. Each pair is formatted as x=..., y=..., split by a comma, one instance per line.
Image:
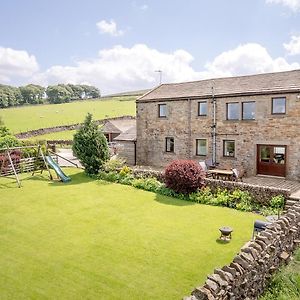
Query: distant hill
x=132, y=93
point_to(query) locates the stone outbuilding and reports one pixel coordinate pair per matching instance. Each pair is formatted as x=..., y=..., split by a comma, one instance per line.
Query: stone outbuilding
x=249, y=122
x=114, y=127
x=125, y=144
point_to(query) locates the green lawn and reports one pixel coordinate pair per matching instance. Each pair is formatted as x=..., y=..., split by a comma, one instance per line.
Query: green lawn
x=91, y=239
x=26, y=118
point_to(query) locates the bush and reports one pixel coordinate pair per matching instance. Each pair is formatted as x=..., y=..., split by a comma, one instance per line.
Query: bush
x=184, y=176
x=148, y=184
x=90, y=146
x=113, y=164
x=125, y=171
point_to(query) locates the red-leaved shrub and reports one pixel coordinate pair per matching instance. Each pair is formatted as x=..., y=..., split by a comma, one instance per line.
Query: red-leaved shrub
x=184, y=176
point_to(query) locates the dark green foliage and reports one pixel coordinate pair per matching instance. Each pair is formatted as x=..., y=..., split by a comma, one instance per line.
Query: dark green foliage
x=58, y=94
x=90, y=146
x=9, y=96
x=32, y=94
x=36, y=94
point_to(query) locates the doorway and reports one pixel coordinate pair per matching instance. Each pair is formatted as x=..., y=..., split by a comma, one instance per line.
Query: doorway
x=271, y=160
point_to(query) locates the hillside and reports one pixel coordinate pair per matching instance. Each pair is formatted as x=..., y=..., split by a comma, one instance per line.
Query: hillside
x=26, y=118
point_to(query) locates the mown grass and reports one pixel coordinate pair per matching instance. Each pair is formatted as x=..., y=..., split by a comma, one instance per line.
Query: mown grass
x=91, y=239
x=285, y=285
x=26, y=118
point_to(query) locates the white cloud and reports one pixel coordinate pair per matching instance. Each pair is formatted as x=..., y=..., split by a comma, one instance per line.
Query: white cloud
x=123, y=69
x=249, y=58
x=292, y=4
x=293, y=47
x=16, y=63
x=109, y=27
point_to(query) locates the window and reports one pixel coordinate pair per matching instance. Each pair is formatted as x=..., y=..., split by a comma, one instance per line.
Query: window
x=229, y=148
x=232, y=112
x=162, y=110
x=248, y=110
x=201, y=147
x=169, y=144
x=278, y=106
x=202, y=108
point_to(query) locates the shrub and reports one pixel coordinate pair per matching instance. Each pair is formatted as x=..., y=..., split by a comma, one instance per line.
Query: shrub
x=148, y=184
x=184, y=176
x=113, y=164
x=90, y=146
x=277, y=202
x=125, y=171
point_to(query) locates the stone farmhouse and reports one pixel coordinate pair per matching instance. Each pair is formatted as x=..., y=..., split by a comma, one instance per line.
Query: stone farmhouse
x=249, y=122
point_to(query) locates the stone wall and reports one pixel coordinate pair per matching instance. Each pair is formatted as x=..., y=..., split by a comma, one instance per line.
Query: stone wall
x=126, y=150
x=248, y=274
x=41, y=131
x=184, y=124
x=260, y=194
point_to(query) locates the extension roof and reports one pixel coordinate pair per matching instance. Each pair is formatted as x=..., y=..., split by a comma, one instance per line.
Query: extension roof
x=118, y=126
x=129, y=135
x=259, y=84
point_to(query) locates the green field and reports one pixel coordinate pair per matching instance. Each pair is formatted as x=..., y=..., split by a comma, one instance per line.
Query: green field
x=26, y=118
x=91, y=239
x=61, y=135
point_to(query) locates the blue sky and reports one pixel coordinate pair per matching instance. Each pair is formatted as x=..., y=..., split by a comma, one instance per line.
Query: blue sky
x=117, y=45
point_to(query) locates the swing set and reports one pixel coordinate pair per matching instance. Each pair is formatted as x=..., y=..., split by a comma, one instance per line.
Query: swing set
x=25, y=159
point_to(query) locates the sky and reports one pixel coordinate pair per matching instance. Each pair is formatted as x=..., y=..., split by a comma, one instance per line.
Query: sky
x=118, y=46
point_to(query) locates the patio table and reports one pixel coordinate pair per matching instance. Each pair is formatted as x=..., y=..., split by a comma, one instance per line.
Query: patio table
x=221, y=174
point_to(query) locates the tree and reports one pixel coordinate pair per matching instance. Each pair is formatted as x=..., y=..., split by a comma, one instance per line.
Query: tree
x=58, y=93
x=90, y=146
x=90, y=91
x=32, y=93
x=9, y=96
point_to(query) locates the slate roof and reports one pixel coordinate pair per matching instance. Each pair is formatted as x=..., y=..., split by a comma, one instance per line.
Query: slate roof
x=118, y=126
x=268, y=83
x=128, y=135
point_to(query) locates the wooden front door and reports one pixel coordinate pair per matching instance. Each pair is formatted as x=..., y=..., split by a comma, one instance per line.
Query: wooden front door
x=271, y=160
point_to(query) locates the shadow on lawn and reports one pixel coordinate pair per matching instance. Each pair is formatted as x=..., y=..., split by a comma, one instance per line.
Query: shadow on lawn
x=172, y=201
x=76, y=179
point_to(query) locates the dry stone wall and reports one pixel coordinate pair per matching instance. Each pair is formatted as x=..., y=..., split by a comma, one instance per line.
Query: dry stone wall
x=41, y=131
x=248, y=274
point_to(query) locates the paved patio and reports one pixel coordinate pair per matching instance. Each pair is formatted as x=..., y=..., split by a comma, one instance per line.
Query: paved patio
x=293, y=186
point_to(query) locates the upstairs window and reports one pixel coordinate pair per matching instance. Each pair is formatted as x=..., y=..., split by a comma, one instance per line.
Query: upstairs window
x=232, y=111
x=202, y=108
x=248, y=110
x=169, y=144
x=229, y=148
x=162, y=110
x=201, y=148
x=279, y=106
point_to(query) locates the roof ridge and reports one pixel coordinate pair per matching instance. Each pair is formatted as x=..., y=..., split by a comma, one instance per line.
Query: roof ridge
x=225, y=77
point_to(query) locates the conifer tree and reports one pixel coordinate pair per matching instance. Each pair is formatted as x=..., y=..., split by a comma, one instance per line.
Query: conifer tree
x=90, y=146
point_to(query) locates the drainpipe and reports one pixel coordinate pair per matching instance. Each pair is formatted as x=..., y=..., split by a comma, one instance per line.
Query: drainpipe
x=214, y=128
x=189, y=145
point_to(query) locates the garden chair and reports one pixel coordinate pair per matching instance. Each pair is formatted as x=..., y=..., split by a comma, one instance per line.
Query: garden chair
x=204, y=168
x=238, y=174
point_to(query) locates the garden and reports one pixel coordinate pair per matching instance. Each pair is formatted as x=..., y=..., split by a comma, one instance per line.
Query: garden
x=115, y=233
x=91, y=238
